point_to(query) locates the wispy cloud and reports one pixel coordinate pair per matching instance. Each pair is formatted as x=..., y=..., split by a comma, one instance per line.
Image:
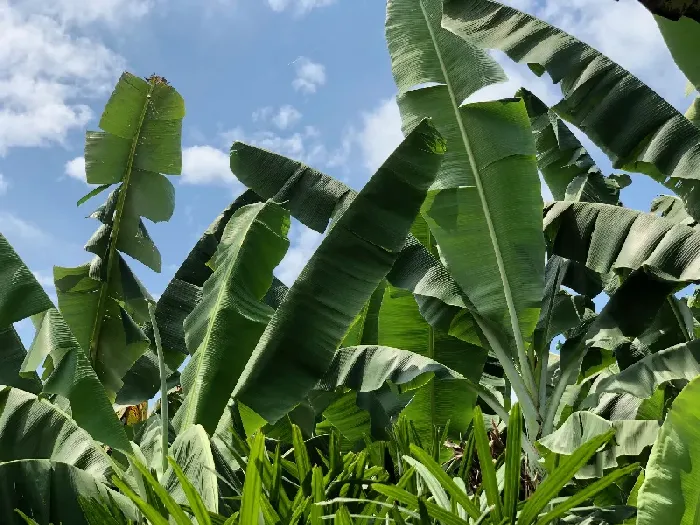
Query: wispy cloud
x=299, y=7
x=284, y=117
x=306, y=146
x=4, y=185
x=310, y=75
x=17, y=229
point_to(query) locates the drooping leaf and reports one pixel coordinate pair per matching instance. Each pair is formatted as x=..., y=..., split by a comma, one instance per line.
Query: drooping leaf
x=224, y=328
x=299, y=343
x=631, y=438
x=673, y=9
x=626, y=315
x=49, y=492
x=671, y=208
x=610, y=238
x=21, y=296
x=643, y=378
x=567, y=168
x=671, y=488
x=73, y=378
x=12, y=356
x=33, y=428
x=600, y=97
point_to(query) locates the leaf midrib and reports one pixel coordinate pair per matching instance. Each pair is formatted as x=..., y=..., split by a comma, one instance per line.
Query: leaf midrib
x=524, y=363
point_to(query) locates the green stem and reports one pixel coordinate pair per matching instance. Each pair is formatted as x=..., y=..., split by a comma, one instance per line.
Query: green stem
x=163, y=389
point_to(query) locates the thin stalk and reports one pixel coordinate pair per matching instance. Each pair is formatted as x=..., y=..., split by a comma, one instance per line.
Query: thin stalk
x=501, y=412
x=524, y=397
x=163, y=389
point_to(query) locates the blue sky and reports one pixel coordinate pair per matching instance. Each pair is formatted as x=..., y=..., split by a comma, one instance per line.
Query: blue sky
x=308, y=78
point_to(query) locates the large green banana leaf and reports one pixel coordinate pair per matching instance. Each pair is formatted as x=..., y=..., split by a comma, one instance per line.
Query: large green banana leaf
x=468, y=193
x=184, y=291
x=631, y=439
x=224, y=328
x=498, y=262
x=104, y=303
x=600, y=97
x=49, y=492
x=192, y=452
x=299, y=343
x=21, y=297
x=437, y=402
x=567, y=168
x=181, y=295
x=670, y=493
x=33, y=428
x=315, y=198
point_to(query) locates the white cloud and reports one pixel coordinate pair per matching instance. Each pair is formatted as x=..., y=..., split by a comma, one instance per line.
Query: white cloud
x=75, y=169
x=17, y=229
x=47, y=70
x=304, y=242
x=287, y=116
x=380, y=133
x=305, y=146
x=263, y=114
x=79, y=12
x=206, y=165
x=284, y=117
x=4, y=185
x=298, y=6
x=309, y=75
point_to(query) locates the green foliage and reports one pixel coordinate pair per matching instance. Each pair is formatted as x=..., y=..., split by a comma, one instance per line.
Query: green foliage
x=377, y=387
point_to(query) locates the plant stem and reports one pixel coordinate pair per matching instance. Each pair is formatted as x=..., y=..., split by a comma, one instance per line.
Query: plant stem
x=163, y=389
